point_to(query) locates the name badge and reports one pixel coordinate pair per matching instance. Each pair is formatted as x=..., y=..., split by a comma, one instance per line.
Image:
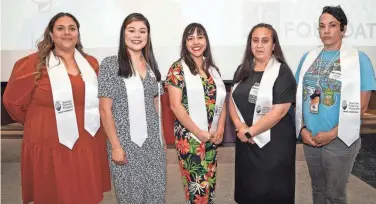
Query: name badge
x=315, y=102
x=151, y=73
x=253, y=93
x=218, y=110
x=335, y=74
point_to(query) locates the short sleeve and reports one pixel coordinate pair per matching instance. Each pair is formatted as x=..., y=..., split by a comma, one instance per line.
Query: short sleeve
x=175, y=76
x=367, y=74
x=106, y=78
x=18, y=92
x=284, y=89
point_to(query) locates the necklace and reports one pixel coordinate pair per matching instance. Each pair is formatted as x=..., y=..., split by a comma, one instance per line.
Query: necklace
x=318, y=88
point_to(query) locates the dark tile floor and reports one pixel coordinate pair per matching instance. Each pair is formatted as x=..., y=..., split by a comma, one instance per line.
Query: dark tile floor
x=365, y=164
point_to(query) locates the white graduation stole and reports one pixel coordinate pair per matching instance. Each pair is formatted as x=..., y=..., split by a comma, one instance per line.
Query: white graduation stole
x=136, y=108
x=349, y=114
x=264, y=100
x=196, y=98
x=65, y=114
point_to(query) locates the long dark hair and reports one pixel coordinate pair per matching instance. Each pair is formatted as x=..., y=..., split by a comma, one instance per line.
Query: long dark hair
x=244, y=70
x=186, y=56
x=46, y=45
x=125, y=67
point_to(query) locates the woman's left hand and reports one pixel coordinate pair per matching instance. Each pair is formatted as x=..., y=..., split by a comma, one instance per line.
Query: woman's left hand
x=251, y=140
x=324, y=138
x=217, y=136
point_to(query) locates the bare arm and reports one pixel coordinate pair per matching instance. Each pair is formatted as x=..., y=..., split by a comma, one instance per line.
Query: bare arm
x=218, y=134
x=233, y=114
x=105, y=109
x=239, y=125
x=175, y=96
x=222, y=118
x=364, y=100
x=277, y=112
x=306, y=134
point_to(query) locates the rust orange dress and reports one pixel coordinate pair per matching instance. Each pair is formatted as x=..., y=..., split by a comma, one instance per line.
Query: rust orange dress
x=50, y=172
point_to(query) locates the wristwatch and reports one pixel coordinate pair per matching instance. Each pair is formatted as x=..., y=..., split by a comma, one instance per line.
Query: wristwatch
x=248, y=135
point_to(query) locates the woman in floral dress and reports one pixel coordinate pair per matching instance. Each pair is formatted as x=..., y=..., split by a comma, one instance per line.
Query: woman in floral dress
x=197, y=96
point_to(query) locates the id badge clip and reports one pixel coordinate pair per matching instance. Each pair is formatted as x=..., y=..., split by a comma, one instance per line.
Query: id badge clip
x=315, y=102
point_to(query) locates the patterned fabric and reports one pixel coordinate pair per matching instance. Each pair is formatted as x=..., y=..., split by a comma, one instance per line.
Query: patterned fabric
x=198, y=162
x=320, y=71
x=143, y=179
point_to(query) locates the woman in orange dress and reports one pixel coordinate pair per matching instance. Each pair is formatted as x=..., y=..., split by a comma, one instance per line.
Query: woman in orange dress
x=53, y=93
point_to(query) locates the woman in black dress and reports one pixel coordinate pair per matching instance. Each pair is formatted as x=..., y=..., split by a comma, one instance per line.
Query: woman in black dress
x=263, y=92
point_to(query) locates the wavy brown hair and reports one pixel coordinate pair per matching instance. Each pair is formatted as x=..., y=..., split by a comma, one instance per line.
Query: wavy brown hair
x=46, y=45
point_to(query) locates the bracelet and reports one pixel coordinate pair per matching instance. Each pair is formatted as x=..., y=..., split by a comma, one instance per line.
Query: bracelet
x=300, y=132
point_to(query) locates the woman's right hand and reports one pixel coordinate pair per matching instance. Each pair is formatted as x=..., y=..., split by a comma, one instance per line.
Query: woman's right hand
x=307, y=137
x=240, y=132
x=203, y=136
x=118, y=156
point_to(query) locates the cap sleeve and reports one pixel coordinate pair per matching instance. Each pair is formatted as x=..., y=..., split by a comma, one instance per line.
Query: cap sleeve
x=175, y=76
x=106, y=78
x=284, y=89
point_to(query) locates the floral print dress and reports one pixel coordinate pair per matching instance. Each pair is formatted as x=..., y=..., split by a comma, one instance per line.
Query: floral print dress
x=198, y=162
